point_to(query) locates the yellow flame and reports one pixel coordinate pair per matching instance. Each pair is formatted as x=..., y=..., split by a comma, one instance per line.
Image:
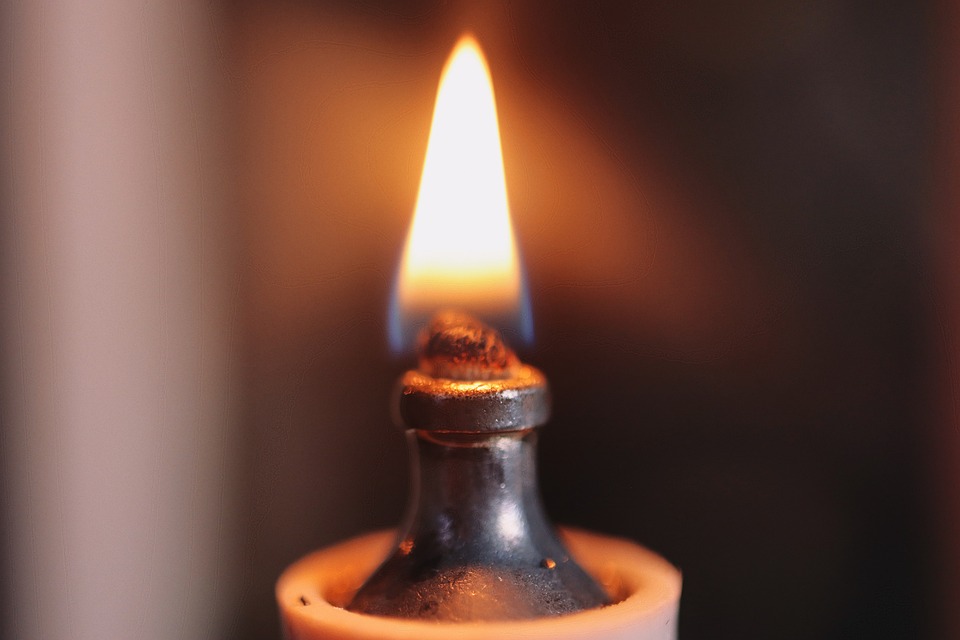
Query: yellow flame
x=460, y=251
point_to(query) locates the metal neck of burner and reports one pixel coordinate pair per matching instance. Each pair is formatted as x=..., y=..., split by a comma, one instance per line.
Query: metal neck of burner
x=476, y=498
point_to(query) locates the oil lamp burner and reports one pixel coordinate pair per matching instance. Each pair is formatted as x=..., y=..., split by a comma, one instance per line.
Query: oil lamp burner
x=477, y=544
x=476, y=556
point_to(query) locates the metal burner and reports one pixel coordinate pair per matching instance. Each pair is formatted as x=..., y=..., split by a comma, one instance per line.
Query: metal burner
x=476, y=543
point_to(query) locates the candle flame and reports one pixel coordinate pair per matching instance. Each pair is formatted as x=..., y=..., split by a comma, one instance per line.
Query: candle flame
x=460, y=251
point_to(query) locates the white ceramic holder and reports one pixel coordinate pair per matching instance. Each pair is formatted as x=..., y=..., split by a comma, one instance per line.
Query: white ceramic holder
x=312, y=592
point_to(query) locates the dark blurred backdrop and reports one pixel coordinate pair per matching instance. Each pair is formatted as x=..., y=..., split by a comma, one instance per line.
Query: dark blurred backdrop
x=726, y=216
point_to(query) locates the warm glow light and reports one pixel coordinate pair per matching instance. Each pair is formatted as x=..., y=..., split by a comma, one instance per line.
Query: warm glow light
x=460, y=251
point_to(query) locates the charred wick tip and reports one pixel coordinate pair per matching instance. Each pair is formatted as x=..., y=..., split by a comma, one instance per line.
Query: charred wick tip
x=457, y=346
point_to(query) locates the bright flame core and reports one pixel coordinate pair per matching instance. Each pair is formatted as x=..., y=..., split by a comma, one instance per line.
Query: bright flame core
x=460, y=251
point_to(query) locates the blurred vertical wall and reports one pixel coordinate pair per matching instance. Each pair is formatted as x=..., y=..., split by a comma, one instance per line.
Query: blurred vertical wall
x=118, y=316
x=945, y=334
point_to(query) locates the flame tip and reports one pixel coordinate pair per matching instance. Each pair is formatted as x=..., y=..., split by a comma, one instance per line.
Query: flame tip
x=467, y=37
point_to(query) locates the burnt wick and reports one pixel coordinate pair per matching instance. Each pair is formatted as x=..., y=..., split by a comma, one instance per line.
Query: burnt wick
x=457, y=346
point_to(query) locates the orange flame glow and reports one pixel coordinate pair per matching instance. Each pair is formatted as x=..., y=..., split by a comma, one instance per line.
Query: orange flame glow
x=460, y=251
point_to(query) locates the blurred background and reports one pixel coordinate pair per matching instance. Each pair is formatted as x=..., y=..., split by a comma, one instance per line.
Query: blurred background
x=738, y=223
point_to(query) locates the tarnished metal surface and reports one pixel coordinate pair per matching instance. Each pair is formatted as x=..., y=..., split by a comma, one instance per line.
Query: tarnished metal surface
x=477, y=544
x=483, y=406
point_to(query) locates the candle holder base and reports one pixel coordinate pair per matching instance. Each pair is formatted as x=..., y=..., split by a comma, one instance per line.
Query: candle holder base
x=645, y=588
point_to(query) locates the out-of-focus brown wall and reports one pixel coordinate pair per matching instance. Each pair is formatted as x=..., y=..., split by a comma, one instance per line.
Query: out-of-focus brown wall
x=724, y=216
x=945, y=333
